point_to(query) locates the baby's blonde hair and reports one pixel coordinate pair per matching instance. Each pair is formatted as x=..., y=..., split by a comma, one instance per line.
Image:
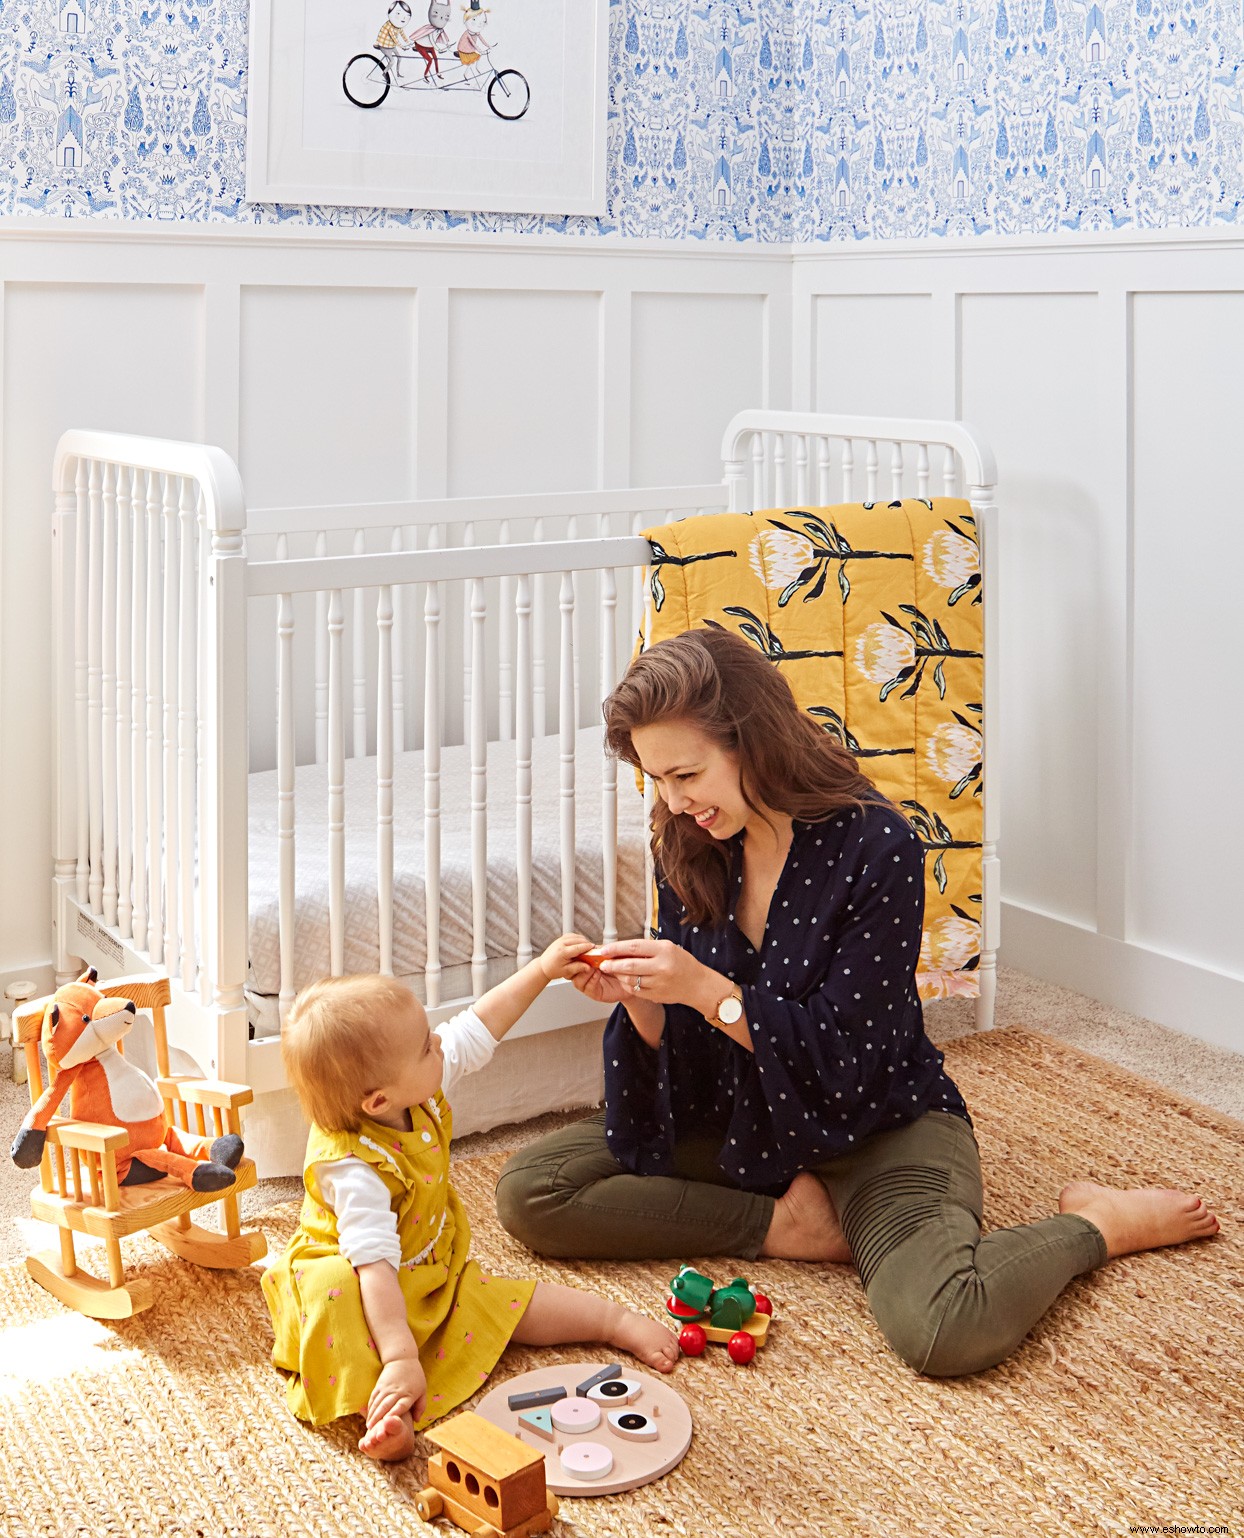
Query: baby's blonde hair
x=335, y=1046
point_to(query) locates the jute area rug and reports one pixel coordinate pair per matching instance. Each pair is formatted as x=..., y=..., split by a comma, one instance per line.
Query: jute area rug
x=1122, y=1412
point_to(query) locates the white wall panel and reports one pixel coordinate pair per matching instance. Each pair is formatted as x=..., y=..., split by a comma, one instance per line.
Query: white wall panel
x=696, y=360
x=1188, y=735
x=876, y=354
x=1028, y=383
x=523, y=386
x=75, y=355
x=327, y=395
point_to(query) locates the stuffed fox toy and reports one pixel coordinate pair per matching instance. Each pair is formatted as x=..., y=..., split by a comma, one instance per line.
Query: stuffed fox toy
x=80, y=1031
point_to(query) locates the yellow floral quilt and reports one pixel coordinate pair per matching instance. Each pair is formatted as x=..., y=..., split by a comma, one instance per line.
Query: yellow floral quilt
x=873, y=613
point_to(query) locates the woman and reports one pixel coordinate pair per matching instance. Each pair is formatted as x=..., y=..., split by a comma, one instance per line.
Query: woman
x=769, y=1087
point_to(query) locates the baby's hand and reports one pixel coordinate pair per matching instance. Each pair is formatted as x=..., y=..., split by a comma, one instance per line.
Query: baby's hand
x=402, y=1386
x=560, y=960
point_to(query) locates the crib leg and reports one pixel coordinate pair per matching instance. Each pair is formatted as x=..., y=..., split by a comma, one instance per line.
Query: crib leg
x=986, y=999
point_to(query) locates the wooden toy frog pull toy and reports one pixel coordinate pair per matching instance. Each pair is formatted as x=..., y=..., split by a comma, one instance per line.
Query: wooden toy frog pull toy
x=734, y=1316
x=485, y=1480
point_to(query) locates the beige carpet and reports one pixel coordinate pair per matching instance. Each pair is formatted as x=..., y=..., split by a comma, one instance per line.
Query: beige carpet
x=1124, y=1407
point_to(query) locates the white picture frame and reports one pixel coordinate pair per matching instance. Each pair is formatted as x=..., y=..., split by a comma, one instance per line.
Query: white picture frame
x=459, y=142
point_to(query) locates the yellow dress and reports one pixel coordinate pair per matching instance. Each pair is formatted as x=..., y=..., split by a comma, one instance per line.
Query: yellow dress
x=461, y=1318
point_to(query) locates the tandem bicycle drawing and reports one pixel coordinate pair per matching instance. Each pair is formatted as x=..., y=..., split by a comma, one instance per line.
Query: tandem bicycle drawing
x=425, y=59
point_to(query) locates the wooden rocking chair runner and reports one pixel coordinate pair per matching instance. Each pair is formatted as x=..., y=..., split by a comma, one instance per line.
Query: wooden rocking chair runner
x=79, y=1193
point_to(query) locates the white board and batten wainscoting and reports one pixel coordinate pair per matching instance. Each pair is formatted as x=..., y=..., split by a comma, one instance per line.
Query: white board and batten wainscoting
x=1105, y=375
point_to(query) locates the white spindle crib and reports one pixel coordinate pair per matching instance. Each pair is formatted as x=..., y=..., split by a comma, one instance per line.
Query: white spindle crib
x=203, y=657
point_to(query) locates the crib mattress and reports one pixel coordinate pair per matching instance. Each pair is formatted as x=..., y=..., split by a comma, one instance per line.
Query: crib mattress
x=362, y=943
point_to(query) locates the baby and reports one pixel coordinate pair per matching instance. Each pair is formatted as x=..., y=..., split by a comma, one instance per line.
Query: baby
x=376, y=1308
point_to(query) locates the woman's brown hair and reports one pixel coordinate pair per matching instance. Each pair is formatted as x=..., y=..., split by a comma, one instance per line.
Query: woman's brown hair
x=720, y=684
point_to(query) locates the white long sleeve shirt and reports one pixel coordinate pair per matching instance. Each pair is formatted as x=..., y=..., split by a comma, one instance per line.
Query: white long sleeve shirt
x=356, y=1195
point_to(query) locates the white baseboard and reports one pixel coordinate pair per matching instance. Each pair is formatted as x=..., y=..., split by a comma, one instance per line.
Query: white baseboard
x=1183, y=995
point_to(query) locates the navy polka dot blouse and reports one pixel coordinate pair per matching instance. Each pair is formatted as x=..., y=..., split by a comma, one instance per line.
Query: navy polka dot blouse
x=830, y=1000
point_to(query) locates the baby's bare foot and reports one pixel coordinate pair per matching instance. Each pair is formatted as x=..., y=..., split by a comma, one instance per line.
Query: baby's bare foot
x=653, y=1344
x=390, y=1439
x=805, y=1225
x=1139, y=1219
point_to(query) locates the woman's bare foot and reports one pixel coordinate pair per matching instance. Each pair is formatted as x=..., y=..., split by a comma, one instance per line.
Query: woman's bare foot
x=390, y=1439
x=1139, y=1219
x=805, y=1225
x=652, y=1343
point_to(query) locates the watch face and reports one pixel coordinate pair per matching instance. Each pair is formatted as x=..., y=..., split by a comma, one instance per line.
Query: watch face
x=730, y=1010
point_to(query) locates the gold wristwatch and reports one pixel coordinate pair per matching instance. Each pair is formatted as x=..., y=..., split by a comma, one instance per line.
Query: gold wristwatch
x=730, y=1010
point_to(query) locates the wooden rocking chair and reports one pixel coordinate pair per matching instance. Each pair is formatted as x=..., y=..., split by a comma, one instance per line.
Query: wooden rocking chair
x=79, y=1193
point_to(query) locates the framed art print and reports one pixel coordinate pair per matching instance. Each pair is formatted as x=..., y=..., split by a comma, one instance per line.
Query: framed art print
x=489, y=105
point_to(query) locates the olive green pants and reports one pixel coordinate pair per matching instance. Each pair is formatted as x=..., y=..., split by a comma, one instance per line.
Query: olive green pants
x=910, y=1201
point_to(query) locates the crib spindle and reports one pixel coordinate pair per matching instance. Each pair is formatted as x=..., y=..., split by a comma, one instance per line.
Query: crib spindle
x=758, y=471
x=848, y=470
x=108, y=691
x=138, y=709
x=479, y=789
x=950, y=473
x=432, y=790
x=822, y=471
x=870, y=472
x=321, y=661
x=206, y=780
x=779, y=469
x=172, y=937
x=505, y=671
x=922, y=471
x=187, y=724
x=458, y=592
x=285, y=815
x=639, y=582
x=125, y=843
x=336, y=788
x=81, y=578
x=539, y=711
x=566, y=713
x=398, y=653
x=523, y=693
x=155, y=691
x=94, y=704
x=609, y=764
x=385, y=727
x=572, y=532
x=896, y=471
x=801, y=469
x=358, y=663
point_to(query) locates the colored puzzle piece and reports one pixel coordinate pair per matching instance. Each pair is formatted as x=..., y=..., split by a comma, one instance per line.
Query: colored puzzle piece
x=539, y=1421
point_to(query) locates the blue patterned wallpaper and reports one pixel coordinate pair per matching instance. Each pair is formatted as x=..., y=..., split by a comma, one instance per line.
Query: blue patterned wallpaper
x=735, y=120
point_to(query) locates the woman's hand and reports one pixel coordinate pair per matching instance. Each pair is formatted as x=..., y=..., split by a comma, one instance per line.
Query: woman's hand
x=402, y=1385
x=655, y=971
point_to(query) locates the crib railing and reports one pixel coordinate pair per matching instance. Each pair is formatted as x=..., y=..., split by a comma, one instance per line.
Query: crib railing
x=428, y=572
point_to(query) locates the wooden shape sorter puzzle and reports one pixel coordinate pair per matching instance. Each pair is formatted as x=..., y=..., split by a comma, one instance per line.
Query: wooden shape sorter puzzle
x=640, y=1436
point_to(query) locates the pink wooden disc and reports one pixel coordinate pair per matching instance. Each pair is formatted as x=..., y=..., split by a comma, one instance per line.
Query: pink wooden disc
x=575, y=1414
x=586, y=1460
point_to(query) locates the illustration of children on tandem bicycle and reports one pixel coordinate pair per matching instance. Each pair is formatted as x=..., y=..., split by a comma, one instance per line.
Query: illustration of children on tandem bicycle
x=425, y=59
